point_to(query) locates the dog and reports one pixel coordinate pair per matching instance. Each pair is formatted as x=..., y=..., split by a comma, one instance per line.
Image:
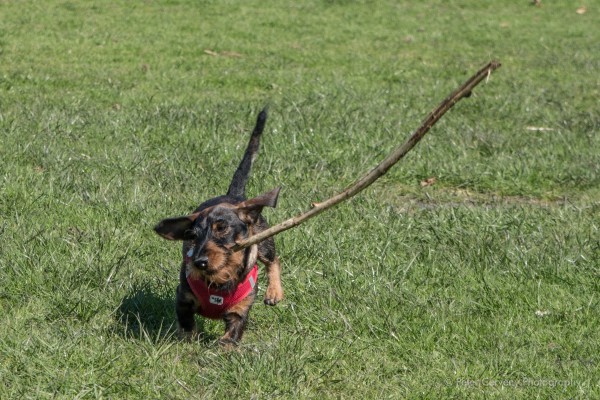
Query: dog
x=215, y=281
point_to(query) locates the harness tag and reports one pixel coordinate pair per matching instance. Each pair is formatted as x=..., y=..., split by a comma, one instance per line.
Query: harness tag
x=216, y=300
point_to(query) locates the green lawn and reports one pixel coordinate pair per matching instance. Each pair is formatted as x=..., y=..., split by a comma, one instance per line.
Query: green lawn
x=114, y=115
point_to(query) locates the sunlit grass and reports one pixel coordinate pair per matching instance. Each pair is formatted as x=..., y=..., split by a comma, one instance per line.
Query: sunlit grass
x=484, y=284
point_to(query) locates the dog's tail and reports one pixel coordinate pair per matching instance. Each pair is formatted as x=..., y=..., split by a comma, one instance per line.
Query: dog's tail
x=237, y=187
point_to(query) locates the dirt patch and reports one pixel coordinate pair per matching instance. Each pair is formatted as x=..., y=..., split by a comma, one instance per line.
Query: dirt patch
x=411, y=198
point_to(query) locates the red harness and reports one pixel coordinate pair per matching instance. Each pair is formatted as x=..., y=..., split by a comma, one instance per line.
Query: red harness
x=214, y=303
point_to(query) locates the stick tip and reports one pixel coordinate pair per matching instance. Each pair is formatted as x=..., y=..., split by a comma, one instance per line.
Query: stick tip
x=495, y=64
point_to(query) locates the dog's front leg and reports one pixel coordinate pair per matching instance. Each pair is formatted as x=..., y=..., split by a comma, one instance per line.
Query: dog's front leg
x=274, y=293
x=234, y=329
x=266, y=254
x=235, y=321
x=185, y=308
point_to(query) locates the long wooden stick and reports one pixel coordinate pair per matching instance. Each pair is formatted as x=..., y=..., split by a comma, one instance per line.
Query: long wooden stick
x=383, y=167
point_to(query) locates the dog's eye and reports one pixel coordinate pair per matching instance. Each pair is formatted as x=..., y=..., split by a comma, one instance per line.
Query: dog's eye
x=219, y=227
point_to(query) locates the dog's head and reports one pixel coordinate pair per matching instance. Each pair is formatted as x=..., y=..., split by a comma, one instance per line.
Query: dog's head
x=211, y=233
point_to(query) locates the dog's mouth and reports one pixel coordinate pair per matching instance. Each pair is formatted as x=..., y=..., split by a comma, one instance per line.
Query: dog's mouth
x=209, y=272
x=219, y=268
x=197, y=272
x=214, y=276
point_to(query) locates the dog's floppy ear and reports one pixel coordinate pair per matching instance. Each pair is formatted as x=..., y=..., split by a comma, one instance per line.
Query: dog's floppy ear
x=249, y=210
x=178, y=228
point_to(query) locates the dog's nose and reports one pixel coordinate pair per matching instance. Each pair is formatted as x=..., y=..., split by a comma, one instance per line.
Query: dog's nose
x=201, y=262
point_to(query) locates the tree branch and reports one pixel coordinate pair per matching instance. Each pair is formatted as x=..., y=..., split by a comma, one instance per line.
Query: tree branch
x=383, y=167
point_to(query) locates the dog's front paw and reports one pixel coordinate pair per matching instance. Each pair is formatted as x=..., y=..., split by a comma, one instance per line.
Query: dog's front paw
x=274, y=295
x=186, y=336
x=227, y=343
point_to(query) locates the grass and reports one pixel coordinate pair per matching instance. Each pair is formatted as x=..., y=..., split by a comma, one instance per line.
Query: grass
x=484, y=284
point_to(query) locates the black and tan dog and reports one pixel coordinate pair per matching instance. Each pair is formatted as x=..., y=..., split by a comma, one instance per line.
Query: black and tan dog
x=215, y=281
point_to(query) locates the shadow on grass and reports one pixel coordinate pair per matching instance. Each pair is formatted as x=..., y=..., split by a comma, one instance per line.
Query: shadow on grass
x=147, y=316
